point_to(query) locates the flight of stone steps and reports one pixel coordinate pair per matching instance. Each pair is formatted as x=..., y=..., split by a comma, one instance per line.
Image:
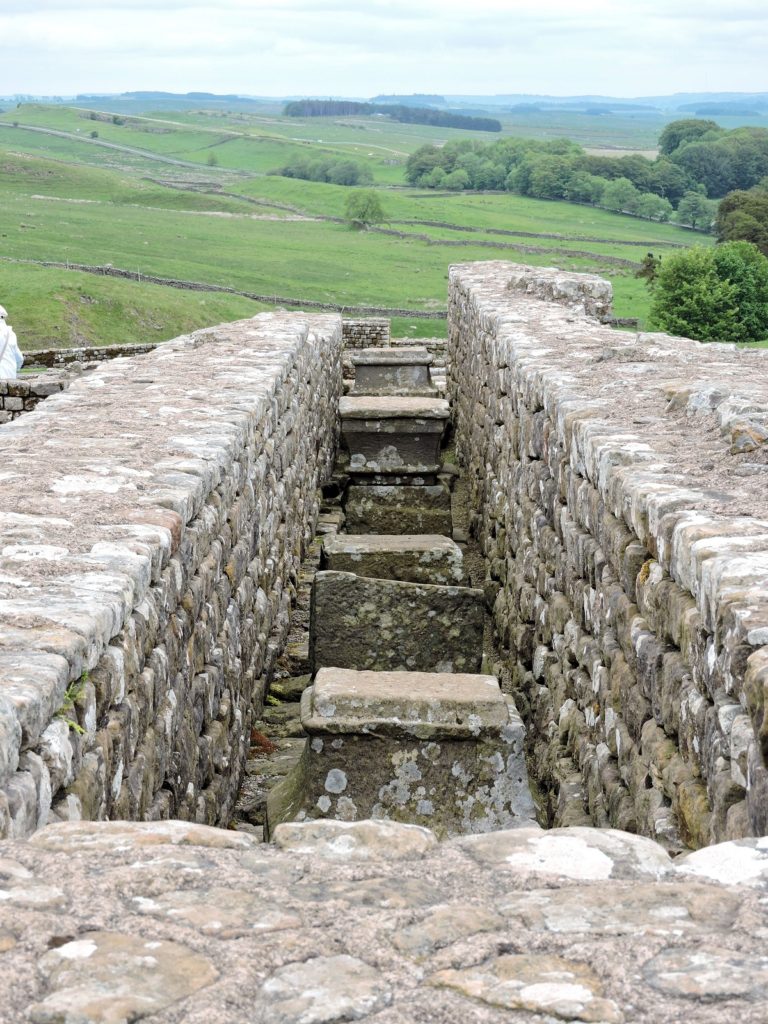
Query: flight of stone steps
x=396, y=718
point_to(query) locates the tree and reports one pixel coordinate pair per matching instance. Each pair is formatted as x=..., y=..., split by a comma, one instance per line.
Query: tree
x=713, y=294
x=652, y=207
x=679, y=133
x=743, y=216
x=620, y=195
x=422, y=162
x=457, y=180
x=696, y=211
x=363, y=209
x=212, y=160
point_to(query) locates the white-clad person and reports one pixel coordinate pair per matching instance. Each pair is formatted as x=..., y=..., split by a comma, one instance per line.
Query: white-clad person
x=11, y=358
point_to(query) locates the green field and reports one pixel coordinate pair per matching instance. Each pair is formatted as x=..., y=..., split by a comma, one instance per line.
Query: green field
x=142, y=197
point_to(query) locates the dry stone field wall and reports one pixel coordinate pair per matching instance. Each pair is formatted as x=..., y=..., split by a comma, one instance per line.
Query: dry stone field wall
x=23, y=395
x=618, y=486
x=153, y=517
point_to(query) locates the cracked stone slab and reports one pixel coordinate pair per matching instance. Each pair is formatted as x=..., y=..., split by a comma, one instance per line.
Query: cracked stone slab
x=108, y=978
x=708, y=973
x=633, y=908
x=222, y=912
x=564, y=989
x=444, y=926
x=323, y=989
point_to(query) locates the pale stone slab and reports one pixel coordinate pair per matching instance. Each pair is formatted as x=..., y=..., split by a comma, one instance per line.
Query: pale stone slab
x=108, y=978
x=635, y=907
x=393, y=408
x=425, y=558
x=75, y=836
x=393, y=437
x=386, y=625
x=741, y=862
x=539, y=983
x=324, y=989
x=354, y=840
x=417, y=703
x=708, y=973
x=578, y=853
x=414, y=355
x=445, y=925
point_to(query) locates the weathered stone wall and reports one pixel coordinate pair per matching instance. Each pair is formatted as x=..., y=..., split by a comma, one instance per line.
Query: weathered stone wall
x=52, y=357
x=617, y=482
x=152, y=521
x=367, y=333
x=25, y=393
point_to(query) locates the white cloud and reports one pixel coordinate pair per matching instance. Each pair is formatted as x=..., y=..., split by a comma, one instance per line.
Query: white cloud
x=360, y=48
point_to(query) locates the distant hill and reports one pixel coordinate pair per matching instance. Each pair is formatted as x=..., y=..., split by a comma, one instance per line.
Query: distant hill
x=398, y=112
x=675, y=101
x=416, y=99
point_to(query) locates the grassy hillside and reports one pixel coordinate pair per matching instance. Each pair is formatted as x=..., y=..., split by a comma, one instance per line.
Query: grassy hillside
x=72, y=199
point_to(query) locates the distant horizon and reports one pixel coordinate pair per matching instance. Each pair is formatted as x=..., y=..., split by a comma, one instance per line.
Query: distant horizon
x=281, y=48
x=683, y=94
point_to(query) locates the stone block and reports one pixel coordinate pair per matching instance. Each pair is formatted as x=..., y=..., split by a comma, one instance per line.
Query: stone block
x=439, y=750
x=387, y=625
x=391, y=508
x=393, y=437
x=425, y=558
x=392, y=371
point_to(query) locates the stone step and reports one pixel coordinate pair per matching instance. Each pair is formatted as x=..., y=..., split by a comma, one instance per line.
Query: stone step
x=424, y=558
x=436, y=749
x=393, y=509
x=393, y=438
x=387, y=625
x=390, y=371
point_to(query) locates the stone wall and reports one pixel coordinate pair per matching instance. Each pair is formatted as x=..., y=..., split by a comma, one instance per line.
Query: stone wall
x=617, y=483
x=152, y=521
x=25, y=393
x=369, y=333
x=52, y=357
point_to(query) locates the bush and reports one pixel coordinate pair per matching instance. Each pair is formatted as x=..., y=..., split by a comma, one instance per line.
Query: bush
x=743, y=216
x=328, y=170
x=718, y=294
x=362, y=209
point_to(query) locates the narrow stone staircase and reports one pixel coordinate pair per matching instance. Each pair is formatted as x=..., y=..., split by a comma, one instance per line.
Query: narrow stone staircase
x=395, y=719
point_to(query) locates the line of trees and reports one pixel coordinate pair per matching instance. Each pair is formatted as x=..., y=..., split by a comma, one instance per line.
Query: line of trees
x=397, y=111
x=327, y=169
x=561, y=169
x=698, y=163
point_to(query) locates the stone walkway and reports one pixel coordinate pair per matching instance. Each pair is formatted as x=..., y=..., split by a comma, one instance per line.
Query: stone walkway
x=173, y=922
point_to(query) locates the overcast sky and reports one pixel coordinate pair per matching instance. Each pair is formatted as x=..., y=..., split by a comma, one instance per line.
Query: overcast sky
x=344, y=47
